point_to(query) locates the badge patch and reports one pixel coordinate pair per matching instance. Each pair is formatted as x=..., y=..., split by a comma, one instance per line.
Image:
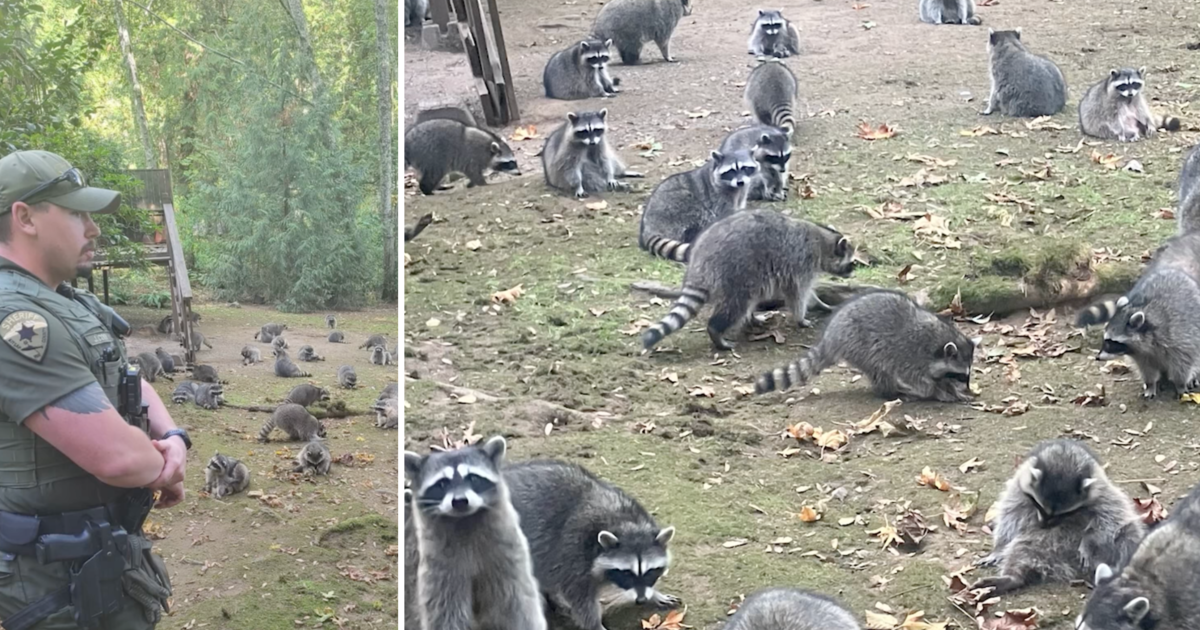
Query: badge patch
x=27, y=333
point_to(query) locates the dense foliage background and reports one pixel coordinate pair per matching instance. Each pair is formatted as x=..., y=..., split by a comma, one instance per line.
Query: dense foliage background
x=269, y=115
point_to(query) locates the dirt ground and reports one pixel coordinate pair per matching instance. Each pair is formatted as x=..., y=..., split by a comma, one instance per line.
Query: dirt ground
x=674, y=428
x=290, y=551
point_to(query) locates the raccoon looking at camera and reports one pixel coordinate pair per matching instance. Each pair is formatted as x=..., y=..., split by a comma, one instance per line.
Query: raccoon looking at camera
x=438, y=147
x=772, y=35
x=380, y=356
x=683, y=205
x=580, y=71
x=1116, y=108
x=577, y=158
x=772, y=149
x=948, y=12
x=346, y=376
x=314, y=458
x=632, y=23
x=1024, y=85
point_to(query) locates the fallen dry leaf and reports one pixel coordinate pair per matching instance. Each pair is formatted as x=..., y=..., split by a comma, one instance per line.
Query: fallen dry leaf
x=596, y=205
x=1107, y=161
x=935, y=230
x=808, y=514
x=672, y=621
x=880, y=621
x=883, y=132
x=982, y=130
x=956, y=512
x=1043, y=122
x=933, y=479
x=1092, y=399
x=902, y=277
x=1151, y=510
x=702, y=391
x=527, y=132
x=969, y=465
x=1025, y=619
x=508, y=297
x=876, y=422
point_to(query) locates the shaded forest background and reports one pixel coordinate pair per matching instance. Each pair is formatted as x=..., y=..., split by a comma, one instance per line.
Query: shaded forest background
x=276, y=119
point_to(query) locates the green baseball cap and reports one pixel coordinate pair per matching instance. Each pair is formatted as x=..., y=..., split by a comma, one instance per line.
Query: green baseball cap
x=34, y=176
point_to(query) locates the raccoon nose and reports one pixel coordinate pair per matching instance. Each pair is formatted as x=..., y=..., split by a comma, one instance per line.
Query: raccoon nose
x=459, y=503
x=641, y=598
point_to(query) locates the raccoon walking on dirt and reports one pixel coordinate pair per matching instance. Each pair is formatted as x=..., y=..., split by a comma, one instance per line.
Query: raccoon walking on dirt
x=336, y=336
x=748, y=258
x=1157, y=589
x=780, y=608
x=594, y=547
x=285, y=368
x=306, y=394
x=683, y=205
x=772, y=35
x=224, y=476
x=374, y=340
x=314, y=458
x=151, y=367
x=445, y=113
x=580, y=71
x=770, y=94
x=1024, y=85
x=269, y=332
x=474, y=566
x=772, y=149
x=1059, y=519
x=295, y=421
x=578, y=159
x=438, y=147
x=632, y=23
x=903, y=349
x=948, y=12
x=1116, y=108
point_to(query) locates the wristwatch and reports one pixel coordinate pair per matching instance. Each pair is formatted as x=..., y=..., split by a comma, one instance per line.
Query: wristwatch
x=182, y=434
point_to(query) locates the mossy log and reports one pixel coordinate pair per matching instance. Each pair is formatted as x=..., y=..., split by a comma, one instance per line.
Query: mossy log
x=336, y=410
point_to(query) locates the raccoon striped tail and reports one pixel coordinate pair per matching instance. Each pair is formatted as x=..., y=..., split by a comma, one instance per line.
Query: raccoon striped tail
x=1170, y=123
x=690, y=301
x=266, y=430
x=667, y=248
x=783, y=117
x=798, y=372
x=1098, y=313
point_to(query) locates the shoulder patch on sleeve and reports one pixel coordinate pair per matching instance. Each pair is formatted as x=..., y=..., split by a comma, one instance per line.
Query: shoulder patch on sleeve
x=27, y=333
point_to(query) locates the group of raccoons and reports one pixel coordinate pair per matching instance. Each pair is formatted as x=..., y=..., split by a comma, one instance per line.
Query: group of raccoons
x=496, y=545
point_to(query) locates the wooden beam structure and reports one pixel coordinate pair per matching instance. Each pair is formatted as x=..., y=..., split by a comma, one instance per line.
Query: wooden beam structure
x=477, y=24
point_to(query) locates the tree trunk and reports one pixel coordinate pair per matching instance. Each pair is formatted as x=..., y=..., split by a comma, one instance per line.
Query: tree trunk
x=296, y=10
x=387, y=211
x=139, y=108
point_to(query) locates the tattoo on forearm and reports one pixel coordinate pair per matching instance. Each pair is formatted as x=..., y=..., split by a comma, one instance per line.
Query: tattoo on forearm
x=87, y=399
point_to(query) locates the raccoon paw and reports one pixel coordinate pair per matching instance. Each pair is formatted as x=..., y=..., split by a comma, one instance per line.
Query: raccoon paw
x=580, y=193
x=1149, y=390
x=617, y=185
x=989, y=560
x=720, y=345
x=804, y=323
x=666, y=602
x=999, y=584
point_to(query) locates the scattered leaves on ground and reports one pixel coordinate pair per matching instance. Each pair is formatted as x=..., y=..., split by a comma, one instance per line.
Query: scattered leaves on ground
x=882, y=132
x=933, y=479
x=528, y=132
x=672, y=621
x=507, y=297
x=1151, y=510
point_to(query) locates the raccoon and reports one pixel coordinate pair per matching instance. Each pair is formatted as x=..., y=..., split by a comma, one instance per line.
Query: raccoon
x=346, y=376
x=336, y=337
x=579, y=72
x=948, y=12
x=294, y=420
x=279, y=343
x=414, y=12
x=1024, y=85
x=577, y=158
x=780, y=608
x=905, y=350
x=374, y=340
x=632, y=23
x=772, y=149
x=151, y=368
x=390, y=391
x=314, y=458
x=306, y=353
x=331, y=321
x=1154, y=322
x=251, y=355
x=475, y=569
x=1157, y=589
x=165, y=360
x=594, y=547
x=269, y=332
x=380, y=356
x=685, y=204
x=438, y=147
x=771, y=94
x=412, y=566
x=166, y=325
x=285, y=368
x=1188, y=214
x=205, y=373
x=446, y=113
x=748, y=258
x=184, y=392
x=306, y=394
x=1116, y=108
x=387, y=413
x=772, y=35
x=209, y=395
x=224, y=476
x=1059, y=519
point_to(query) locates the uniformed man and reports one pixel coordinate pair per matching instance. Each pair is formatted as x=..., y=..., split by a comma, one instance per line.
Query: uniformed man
x=84, y=440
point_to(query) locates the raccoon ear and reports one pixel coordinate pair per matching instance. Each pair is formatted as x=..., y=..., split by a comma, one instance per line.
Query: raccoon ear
x=977, y=341
x=572, y=117
x=765, y=139
x=1018, y=32
x=716, y=155
x=1102, y=573
x=950, y=350
x=665, y=535
x=761, y=12
x=584, y=45
x=1122, y=301
x=412, y=464
x=1136, y=609
x=495, y=148
x=843, y=246
x=1034, y=471
x=1142, y=71
x=1138, y=320
x=607, y=539
x=495, y=449
x=607, y=43
x=604, y=113
x=1087, y=483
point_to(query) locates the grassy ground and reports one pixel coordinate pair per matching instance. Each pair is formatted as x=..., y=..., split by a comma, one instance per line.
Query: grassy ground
x=309, y=552
x=1024, y=208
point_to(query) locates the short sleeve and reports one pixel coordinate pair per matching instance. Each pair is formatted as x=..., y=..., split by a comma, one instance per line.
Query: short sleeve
x=40, y=361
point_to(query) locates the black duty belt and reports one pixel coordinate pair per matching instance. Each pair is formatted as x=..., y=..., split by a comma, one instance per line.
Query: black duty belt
x=19, y=532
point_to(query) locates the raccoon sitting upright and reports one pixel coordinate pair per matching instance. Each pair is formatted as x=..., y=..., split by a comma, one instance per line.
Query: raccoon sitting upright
x=1187, y=216
x=685, y=204
x=1116, y=108
x=1059, y=519
x=1157, y=589
x=632, y=23
x=224, y=476
x=314, y=458
x=780, y=608
x=580, y=71
x=770, y=94
x=474, y=567
x=772, y=35
x=948, y=12
x=438, y=147
x=594, y=547
x=347, y=377
x=380, y=356
x=1024, y=85
x=307, y=353
x=578, y=159
x=772, y=149
x=749, y=258
x=285, y=368
x=903, y=349
x=295, y=421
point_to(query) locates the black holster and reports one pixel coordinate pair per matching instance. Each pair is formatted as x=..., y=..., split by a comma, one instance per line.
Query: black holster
x=96, y=582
